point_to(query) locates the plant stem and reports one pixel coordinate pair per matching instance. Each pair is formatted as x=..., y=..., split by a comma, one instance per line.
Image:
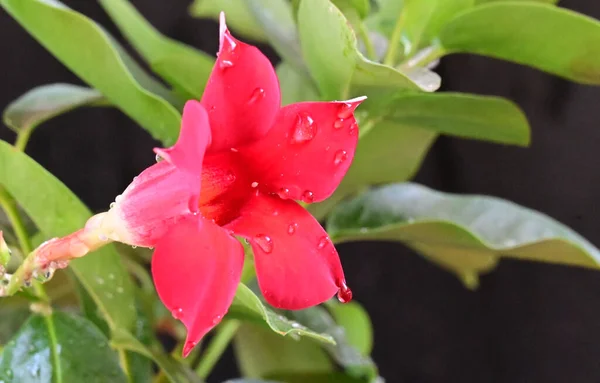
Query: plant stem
x=390, y=55
x=217, y=346
x=23, y=138
x=364, y=36
x=423, y=58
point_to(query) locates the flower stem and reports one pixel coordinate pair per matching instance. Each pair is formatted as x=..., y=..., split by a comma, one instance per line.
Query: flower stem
x=23, y=138
x=423, y=58
x=364, y=36
x=9, y=205
x=390, y=55
x=217, y=346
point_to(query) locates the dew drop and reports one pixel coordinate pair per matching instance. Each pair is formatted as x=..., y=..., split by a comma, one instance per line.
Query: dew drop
x=340, y=156
x=158, y=158
x=339, y=123
x=257, y=94
x=264, y=242
x=120, y=290
x=308, y=196
x=304, y=130
x=100, y=280
x=283, y=193
x=112, y=204
x=224, y=64
x=324, y=241
x=292, y=228
x=344, y=294
x=119, y=198
x=353, y=129
x=193, y=205
x=217, y=319
x=234, y=150
x=254, y=184
x=177, y=313
x=345, y=110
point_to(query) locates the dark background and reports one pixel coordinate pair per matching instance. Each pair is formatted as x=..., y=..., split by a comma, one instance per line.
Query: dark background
x=526, y=323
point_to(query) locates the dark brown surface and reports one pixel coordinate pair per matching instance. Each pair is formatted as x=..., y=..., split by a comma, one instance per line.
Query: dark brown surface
x=527, y=322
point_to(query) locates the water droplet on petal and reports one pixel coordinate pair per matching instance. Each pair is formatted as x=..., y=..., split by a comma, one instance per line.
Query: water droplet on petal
x=308, y=196
x=304, y=130
x=234, y=150
x=340, y=156
x=345, y=110
x=324, y=241
x=177, y=313
x=344, y=294
x=257, y=94
x=283, y=193
x=112, y=204
x=339, y=123
x=158, y=158
x=193, y=205
x=254, y=184
x=264, y=242
x=292, y=228
x=224, y=64
x=353, y=129
x=217, y=319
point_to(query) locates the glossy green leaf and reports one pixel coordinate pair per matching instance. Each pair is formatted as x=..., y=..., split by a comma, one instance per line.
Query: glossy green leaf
x=463, y=233
x=295, y=87
x=351, y=359
x=87, y=49
x=260, y=353
x=57, y=212
x=176, y=372
x=464, y=115
x=247, y=306
x=59, y=347
x=552, y=39
x=237, y=12
x=356, y=323
x=339, y=69
x=183, y=66
x=47, y=101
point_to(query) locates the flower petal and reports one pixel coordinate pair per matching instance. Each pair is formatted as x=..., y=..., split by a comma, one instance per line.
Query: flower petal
x=196, y=269
x=308, y=151
x=296, y=264
x=242, y=94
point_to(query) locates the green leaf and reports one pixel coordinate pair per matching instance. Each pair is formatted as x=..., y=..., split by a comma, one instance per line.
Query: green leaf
x=237, y=12
x=323, y=377
x=464, y=115
x=260, y=353
x=295, y=87
x=57, y=212
x=176, y=372
x=361, y=7
x=356, y=323
x=347, y=356
x=247, y=306
x=47, y=101
x=87, y=49
x=548, y=38
x=339, y=69
x=539, y=1
x=385, y=16
x=183, y=66
x=463, y=233
x=59, y=347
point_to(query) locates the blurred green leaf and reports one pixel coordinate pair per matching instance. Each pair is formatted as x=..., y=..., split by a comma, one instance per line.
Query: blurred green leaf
x=539, y=1
x=361, y=7
x=87, y=49
x=385, y=16
x=13, y=316
x=351, y=359
x=463, y=233
x=47, y=101
x=543, y=36
x=57, y=211
x=59, y=347
x=339, y=69
x=356, y=323
x=260, y=353
x=237, y=12
x=295, y=87
x=247, y=306
x=323, y=377
x=183, y=66
x=464, y=115
x=176, y=372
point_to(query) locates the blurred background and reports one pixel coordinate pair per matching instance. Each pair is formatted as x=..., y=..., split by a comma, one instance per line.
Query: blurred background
x=525, y=323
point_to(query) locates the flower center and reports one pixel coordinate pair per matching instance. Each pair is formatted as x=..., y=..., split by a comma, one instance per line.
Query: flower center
x=226, y=186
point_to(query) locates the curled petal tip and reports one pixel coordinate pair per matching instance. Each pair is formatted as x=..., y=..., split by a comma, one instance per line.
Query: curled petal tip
x=222, y=29
x=188, y=347
x=357, y=100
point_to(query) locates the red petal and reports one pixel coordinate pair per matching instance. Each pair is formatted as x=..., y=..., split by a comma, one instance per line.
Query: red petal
x=242, y=94
x=296, y=264
x=196, y=269
x=308, y=151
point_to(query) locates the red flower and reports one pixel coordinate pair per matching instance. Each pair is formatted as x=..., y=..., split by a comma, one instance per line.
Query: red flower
x=239, y=164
